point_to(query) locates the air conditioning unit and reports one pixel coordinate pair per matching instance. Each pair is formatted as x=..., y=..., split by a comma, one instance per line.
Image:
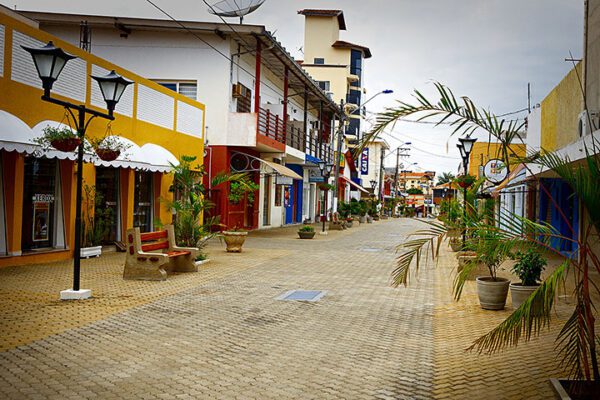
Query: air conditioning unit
x=238, y=90
x=585, y=119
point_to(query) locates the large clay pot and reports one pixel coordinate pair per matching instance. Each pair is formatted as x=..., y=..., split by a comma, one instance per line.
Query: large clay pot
x=306, y=235
x=234, y=241
x=492, y=293
x=520, y=293
x=362, y=219
x=454, y=232
x=455, y=245
x=348, y=223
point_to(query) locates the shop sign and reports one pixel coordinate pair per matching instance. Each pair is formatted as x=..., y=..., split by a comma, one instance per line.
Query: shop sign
x=495, y=171
x=314, y=176
x=43, y=198
x=364, y=162
x=283, y=180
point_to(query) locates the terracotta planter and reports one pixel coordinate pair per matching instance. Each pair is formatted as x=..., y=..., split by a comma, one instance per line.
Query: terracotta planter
x=66, y=145
x=349, y=224
x=492, y=293
x=520, y=293
x=306, y=235
x=234, y=241
x=108, y=154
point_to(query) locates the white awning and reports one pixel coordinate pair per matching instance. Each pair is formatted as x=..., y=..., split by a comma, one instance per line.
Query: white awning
x=16, y=135
x=281, y=169
x=354, y=184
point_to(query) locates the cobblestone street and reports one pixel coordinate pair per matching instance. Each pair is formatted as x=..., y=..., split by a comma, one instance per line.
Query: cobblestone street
x=221, y=332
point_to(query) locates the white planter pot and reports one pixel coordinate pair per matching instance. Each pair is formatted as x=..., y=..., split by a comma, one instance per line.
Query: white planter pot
x=199, y=263
x=87, y=252
x=520, y=293
x=492, y=294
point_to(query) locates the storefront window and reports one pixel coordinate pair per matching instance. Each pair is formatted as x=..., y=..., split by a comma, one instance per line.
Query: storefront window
x=143, y=201
x=42, y=208
x=108, y=210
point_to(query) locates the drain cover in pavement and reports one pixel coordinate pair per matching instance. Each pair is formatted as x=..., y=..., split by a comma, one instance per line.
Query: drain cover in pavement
x=302, y=295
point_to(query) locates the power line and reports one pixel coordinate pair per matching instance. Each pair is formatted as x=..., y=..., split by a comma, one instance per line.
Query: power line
x=276, y=90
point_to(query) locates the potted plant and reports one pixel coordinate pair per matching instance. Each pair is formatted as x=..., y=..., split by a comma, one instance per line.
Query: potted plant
x=464, y=181
x=306, y=232
x=528, y=268
x=455, y=243
x=95, y=222
x=62, y=139
x=234, y=239
x=349, y=221
x=108, y=148
x=362, y=212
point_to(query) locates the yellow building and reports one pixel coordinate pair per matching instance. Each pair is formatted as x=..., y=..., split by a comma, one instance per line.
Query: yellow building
x=483, y=152
x=37, y=201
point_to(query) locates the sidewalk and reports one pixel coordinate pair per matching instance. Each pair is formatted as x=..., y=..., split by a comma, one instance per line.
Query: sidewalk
x=221, y=333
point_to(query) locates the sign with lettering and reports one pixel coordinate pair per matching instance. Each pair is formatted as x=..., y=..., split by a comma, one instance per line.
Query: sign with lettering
x=43, y=198
x=495, y=171
x=364, y=162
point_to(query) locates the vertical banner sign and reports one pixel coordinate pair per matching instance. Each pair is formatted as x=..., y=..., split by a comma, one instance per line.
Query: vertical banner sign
x=364, y=162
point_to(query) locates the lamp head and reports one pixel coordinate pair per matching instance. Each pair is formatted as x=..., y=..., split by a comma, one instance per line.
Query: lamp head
x=328, y=168
x=321, y=165
x=467, y=143
x=373, y=183
x=461, y=148
x=112, y=87
x=49, y=61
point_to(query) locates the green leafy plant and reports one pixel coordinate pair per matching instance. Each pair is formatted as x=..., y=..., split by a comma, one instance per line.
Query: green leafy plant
x=465, y=180
x=415, y=191
x=63, y=139
x=95, y=218
x=306, y=228
x=577, y=341
x=243, y=187
x=529, y=267
x=344, y=209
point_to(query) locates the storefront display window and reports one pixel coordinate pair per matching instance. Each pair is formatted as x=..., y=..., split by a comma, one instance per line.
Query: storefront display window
x=107, y=186
x=42, y=205
x=143, y=201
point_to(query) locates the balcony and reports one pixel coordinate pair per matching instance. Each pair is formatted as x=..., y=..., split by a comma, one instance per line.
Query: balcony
x=270, y=130
x=295, y=136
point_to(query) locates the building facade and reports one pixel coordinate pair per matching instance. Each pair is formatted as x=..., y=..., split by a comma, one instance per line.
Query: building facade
x=268, y=118
x=37, y=201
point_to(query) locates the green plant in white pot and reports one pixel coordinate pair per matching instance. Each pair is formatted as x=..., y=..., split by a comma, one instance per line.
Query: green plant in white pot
x=528, y=267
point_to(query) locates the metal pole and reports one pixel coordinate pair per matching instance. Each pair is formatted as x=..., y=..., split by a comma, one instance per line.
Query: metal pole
x=77, y=250
x=396, y=174
x=325, y=204
x=464, y=235
x=340, y=138
x=381, y=172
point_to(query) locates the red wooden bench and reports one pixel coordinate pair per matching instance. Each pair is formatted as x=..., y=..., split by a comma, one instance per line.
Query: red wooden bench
x=150, y=256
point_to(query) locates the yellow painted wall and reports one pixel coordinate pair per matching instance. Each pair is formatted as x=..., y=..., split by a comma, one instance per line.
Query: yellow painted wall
x=319, y=34
x=560, y=112
x=24, y=102
x=337, y=78
x=483, y=152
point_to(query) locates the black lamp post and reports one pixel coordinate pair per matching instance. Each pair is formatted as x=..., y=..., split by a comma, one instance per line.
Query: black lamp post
x=465, y=147
x=49, y=61
x=325, y=173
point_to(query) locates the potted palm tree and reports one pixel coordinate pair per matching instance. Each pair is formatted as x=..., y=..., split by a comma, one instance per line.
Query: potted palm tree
x=528, y=267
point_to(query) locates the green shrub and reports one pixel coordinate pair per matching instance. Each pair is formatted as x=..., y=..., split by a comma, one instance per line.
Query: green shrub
x=529, y=267
x=307, y=228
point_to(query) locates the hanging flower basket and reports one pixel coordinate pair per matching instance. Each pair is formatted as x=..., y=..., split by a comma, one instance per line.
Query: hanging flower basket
x=465, y=181
x=325, y=186
x=108, y=154
x=66, y=145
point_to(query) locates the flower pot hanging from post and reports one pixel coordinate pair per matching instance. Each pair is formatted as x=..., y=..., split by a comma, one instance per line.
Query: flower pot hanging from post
x=465, y=181
x=108, y=154
x=62, y=139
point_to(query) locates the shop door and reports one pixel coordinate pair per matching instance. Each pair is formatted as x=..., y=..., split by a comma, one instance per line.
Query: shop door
x=143, y=201
x=107, y=212
x=267, y=201
x=288, y=203
x=39, y=203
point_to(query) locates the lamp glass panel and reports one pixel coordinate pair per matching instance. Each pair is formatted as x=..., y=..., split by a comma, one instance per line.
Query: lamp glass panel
x=43, y=63
x=321, y=165
x=59, y=64
x=119, y=91
x=108, y=89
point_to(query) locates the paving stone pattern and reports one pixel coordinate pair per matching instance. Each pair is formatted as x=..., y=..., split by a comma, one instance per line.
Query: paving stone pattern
x=222, y=334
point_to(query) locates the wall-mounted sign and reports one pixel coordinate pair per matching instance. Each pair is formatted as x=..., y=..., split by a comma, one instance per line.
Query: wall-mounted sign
x=495, y=171
x=364, y=162
x=42, y=198
x=284, y=180
x=314, y=176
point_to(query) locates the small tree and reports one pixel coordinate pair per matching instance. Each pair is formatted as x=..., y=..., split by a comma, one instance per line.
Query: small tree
x=415, y=191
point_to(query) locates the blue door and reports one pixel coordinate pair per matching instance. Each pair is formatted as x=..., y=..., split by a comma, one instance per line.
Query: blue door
x=288, y=202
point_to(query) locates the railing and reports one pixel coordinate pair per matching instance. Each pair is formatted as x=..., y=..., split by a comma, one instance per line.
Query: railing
x=270, y=125
x=295, y=138
x=320, y=150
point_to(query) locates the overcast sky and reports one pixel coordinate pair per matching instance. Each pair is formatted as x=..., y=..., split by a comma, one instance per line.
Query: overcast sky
x=486, y=49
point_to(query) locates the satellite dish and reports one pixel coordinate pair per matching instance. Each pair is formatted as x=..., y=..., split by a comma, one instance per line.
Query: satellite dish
x=235, y=8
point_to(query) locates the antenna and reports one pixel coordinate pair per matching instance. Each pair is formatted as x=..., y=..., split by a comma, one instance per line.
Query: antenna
x=235, y=8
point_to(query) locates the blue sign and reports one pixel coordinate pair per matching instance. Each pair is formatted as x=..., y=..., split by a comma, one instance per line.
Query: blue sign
x=364, y=162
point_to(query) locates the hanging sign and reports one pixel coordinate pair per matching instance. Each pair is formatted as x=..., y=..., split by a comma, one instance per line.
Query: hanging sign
x=495, y=171
x=364, y=162
x=314, y=176
x=42, y=198
x=283, y=180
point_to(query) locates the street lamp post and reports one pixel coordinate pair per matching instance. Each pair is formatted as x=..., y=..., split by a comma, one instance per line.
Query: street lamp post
x=465, y=147
x=49, y=61
x=325, y=172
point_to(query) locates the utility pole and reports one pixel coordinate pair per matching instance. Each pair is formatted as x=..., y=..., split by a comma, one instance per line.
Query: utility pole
x=396, y=174
x=381, y=173
x=340, y=138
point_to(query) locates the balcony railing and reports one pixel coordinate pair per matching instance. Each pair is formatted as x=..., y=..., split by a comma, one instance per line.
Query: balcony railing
x=270, y=125
x=295, y=138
